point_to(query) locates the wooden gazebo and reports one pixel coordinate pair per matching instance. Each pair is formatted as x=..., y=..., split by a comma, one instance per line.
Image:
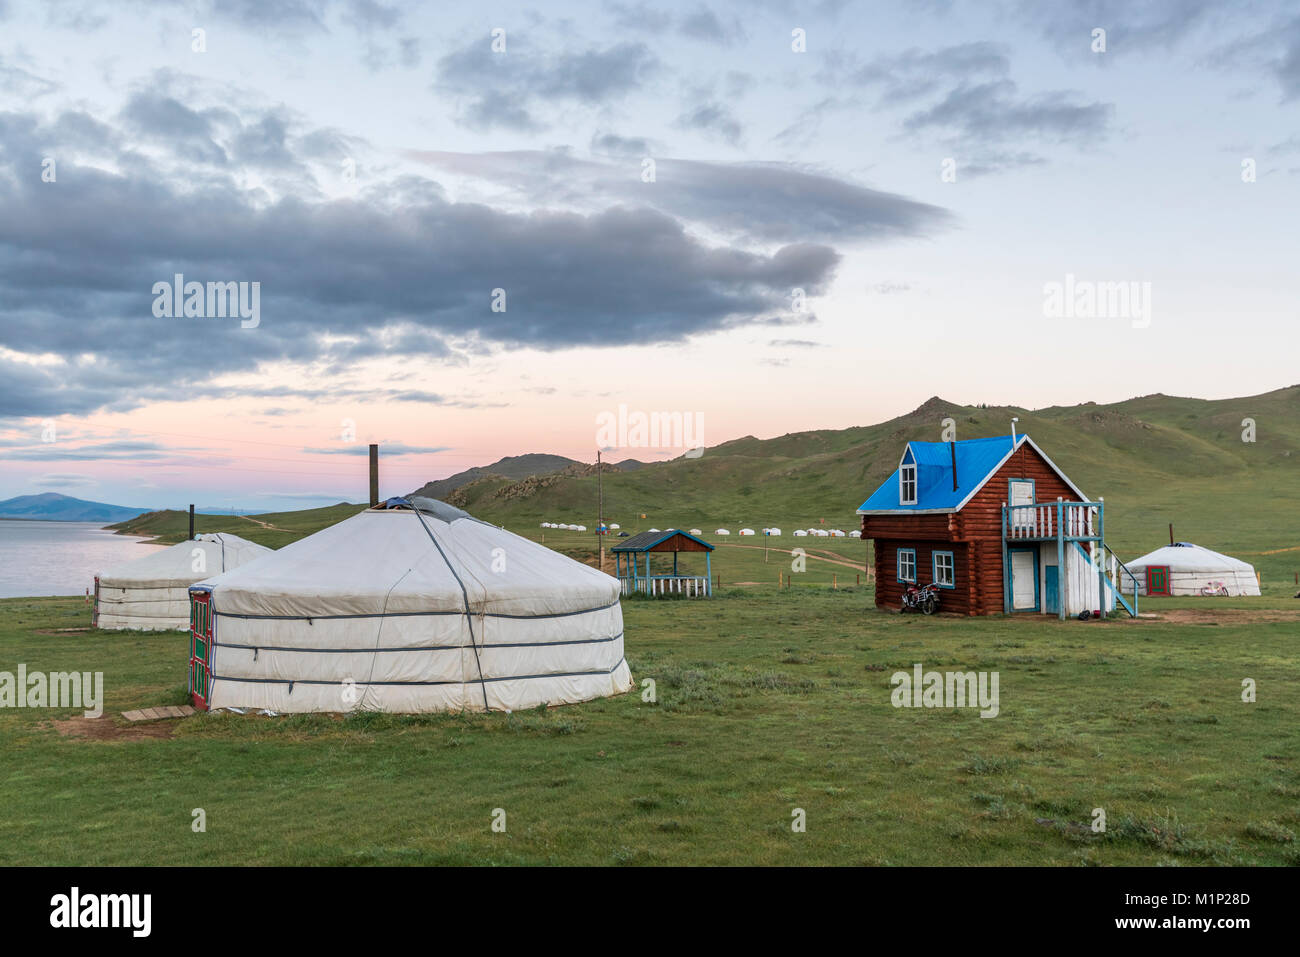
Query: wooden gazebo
x=635, y=578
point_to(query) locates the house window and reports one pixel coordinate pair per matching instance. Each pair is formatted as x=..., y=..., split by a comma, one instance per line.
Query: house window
x=907, y=564
x=945, y=570
x=907, y=485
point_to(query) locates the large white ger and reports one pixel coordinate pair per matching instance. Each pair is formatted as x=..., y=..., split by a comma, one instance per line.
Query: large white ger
x=152, y=592
x=1187, y=569
x=411, y=606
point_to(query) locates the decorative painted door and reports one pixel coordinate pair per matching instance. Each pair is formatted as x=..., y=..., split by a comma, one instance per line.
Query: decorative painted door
x=200, y=648
x=1157, y=579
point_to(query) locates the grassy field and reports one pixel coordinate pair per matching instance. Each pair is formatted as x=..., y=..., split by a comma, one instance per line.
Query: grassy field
x=767, y=701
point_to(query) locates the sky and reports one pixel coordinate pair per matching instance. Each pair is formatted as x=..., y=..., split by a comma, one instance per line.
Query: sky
x=466, y=231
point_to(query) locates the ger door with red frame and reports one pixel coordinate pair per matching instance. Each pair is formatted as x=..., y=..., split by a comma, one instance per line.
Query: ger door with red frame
x=201, y=628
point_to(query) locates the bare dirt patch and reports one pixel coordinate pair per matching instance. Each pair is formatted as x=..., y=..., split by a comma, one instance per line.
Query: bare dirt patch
x=59, y=631
x=1226, y=616
x=107, y=728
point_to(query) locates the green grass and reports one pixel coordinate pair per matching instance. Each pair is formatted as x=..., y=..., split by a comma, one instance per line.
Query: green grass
x=767, y=701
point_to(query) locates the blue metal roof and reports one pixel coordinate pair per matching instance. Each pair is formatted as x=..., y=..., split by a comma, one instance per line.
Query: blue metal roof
x=976, y=460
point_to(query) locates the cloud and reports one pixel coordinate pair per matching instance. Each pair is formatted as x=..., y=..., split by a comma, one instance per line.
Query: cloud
x=1275, y=51
x=388, y=448
x=611, y=144
x=713, y=119
x=964, y=95
x=397, y=270
x=503, y=89
x=1130, y=25
x=992, y=112
x=703, y=24
x=916, y=73
x=766, y=202
x=64, y=480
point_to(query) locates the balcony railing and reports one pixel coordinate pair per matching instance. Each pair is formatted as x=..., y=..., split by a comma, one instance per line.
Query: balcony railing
x=1044, y=520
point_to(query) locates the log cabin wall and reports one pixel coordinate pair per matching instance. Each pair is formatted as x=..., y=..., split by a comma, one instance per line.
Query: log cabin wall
x=889, y=590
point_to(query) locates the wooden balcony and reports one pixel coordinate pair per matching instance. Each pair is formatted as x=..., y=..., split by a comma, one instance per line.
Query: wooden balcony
x=1047, y=521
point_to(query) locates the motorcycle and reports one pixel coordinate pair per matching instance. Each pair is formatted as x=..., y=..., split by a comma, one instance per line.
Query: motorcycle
x=924, y=599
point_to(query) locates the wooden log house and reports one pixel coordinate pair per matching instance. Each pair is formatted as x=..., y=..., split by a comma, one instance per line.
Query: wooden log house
x=996, y=525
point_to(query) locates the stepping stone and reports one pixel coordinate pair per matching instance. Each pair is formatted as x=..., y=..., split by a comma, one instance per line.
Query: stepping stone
x=162, y=711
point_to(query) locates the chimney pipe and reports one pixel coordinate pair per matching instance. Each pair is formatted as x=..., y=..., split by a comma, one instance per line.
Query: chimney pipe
x=1014, y=420
x=952, y=447
x=191, y=538
x=374, y=475
x=1171, y=533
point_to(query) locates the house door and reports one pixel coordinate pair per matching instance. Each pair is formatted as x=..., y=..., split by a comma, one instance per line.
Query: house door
x=1051, y=589
x=1157, y=579
x=1024, y=579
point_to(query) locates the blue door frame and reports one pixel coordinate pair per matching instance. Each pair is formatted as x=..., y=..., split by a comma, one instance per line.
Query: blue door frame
x=1032, y=550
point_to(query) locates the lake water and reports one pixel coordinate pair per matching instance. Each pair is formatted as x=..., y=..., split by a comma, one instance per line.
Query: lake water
x=59, y=558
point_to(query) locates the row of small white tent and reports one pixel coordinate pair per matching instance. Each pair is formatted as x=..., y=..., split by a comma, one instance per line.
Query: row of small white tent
x=571, y=528
x=799, y=532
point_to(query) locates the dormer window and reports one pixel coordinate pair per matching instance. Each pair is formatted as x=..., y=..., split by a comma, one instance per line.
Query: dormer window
x=907, y=479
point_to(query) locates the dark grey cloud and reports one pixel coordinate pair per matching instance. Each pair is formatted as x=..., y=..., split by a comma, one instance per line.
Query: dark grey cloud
x=1130, y=25
x=769, y=202
x=992, y=112
x=397, y=270
x=915, y=73
x=611, y=144
x=713, y=119
x=1273, y=52
x=964, y=96
x=503, y=89
x=704, y=24
x=639, y=17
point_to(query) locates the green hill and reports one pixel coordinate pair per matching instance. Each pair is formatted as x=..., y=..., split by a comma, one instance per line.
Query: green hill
x=1156, y=459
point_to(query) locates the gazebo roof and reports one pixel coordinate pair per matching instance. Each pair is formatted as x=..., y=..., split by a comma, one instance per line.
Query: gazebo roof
x=663, y=542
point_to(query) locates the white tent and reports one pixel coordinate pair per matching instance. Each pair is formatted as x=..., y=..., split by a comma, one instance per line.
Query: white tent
x=747, y=531
x=856, y=533
x=696, y=531
x=722, y=531
x=773, y=531
x=152, y=592
x=615, y=526
x=405, y=610
x=836, y=533
x=800, y=533
x=1191, y=570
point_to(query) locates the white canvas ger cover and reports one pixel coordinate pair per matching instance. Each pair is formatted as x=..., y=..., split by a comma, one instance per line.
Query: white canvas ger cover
x=402, y=610
x=152, y=592
x=1193, y=568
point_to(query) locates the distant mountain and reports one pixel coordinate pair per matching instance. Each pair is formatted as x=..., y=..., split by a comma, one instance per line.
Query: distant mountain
x=511, y=467
x=53, y=507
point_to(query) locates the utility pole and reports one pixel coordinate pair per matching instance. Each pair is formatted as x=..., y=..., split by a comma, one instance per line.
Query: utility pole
x=191, y=538
x=374, y=475
x=600, y=510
